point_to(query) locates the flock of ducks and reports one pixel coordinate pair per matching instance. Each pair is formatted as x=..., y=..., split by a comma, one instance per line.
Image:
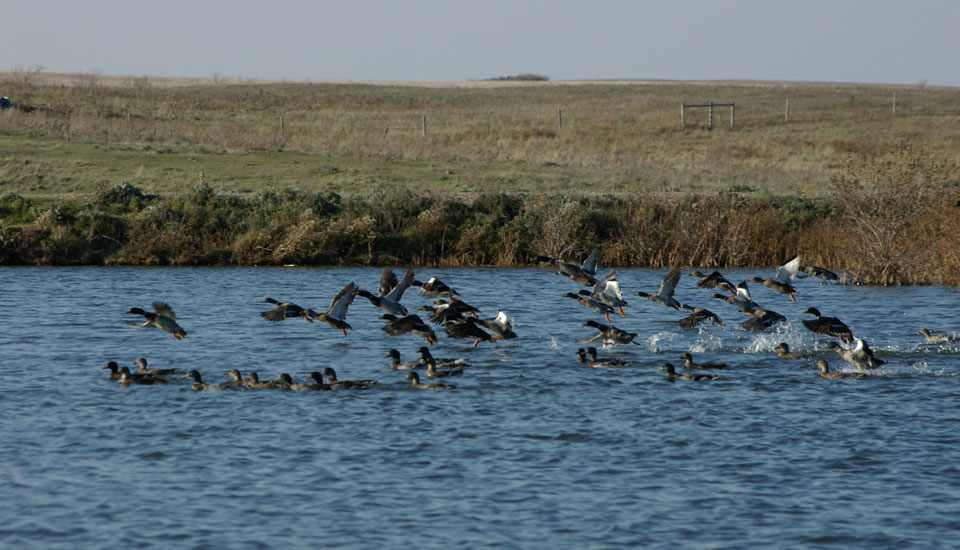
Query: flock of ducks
x=606, y=298
x=461, y=321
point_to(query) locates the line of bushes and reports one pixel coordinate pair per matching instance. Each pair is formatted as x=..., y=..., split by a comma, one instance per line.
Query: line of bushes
x=890, y=223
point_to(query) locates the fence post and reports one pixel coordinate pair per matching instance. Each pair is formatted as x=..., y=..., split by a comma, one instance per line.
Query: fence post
x=423, y=125
x=786, y=112
x=733, y=111
x=710, y=120
x=559, y=119
x=683, y=116
x=281, y=126
x=894, y=102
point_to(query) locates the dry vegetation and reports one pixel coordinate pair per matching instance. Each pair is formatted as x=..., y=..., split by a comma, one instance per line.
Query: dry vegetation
x=200, y=174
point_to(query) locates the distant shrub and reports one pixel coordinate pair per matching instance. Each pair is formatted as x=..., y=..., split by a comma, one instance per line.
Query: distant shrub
x=524, y=76
x=120, y=197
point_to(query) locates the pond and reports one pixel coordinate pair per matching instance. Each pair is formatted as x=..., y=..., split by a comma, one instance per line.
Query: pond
x=531, y=449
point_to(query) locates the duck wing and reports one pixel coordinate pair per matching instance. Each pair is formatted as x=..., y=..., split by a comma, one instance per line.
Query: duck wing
x=590, y=264
x=408, y=323
x=444, y=313
x=397, y=291
x=466, y=329
x=830, y=326
x=717, y=280
x=786, y=271
x=340, y=303
x=388, y=280
x=163, y=309
x=669, y=283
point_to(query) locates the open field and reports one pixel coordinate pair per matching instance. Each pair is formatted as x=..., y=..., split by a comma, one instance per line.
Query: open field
x=138, y=170
x=481, y=137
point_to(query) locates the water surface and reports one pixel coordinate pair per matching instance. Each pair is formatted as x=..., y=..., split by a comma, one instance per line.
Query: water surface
x=532, y=450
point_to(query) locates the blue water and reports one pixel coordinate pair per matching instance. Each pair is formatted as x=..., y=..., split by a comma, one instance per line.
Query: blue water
x=532, y=450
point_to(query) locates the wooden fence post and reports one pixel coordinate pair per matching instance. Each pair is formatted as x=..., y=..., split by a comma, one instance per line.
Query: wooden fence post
x=710, y=119
x=559, y=119
x=423, y=125
x=786, y=112
x=733, y=112
x=894, y=102
x=281, y=127
x=683, y=117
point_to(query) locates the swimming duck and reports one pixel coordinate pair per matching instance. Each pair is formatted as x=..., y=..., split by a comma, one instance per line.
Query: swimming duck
x=285, y=310
x=127, y=378
x=595, y=305
x=346, y=384
x=426, y=357
x=318, y=383
x=432, y=371
x=826, y=373
x=198, y=384
x=762, y=319
x=467, y=328
x=741, y=299
x=607, y=291
x=390, y=292
x=672, y=374
x=285, y=382
x=584, y=273
x=698, y=316
x=162, y=317
x=252, y=381
x=397, y=365
x=781, y=280
x=934, y=338
x=664, y=295
x=611, y=334
x=689, y=364
x=114, y=370
x=415, y=383
x=714, y=280
x=825, y=275
x=236, y=379
x=336, y=314
x=435, y=287
x=783, y=352
x=831, y=326
x=861, y=356
x=410, y=324
x=142, y=364
x=593, y=362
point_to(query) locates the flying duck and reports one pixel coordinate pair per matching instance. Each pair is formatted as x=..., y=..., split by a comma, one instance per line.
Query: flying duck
x=831, y=326
x=781, y=280
x=285, y=310
x=391, y=292
x=162, y=317
x=336, y=314
x=664, y=295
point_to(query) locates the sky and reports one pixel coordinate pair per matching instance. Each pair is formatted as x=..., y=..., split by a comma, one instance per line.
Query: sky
x=880, y=41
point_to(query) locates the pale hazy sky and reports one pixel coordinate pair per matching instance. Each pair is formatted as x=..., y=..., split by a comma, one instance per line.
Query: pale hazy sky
x=882, y=41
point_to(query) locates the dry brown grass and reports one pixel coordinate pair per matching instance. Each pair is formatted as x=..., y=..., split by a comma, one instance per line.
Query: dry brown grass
x=495, y=182
x=616, y=136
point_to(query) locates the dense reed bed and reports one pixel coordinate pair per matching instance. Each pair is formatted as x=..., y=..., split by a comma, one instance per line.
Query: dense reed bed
x=887, y=223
